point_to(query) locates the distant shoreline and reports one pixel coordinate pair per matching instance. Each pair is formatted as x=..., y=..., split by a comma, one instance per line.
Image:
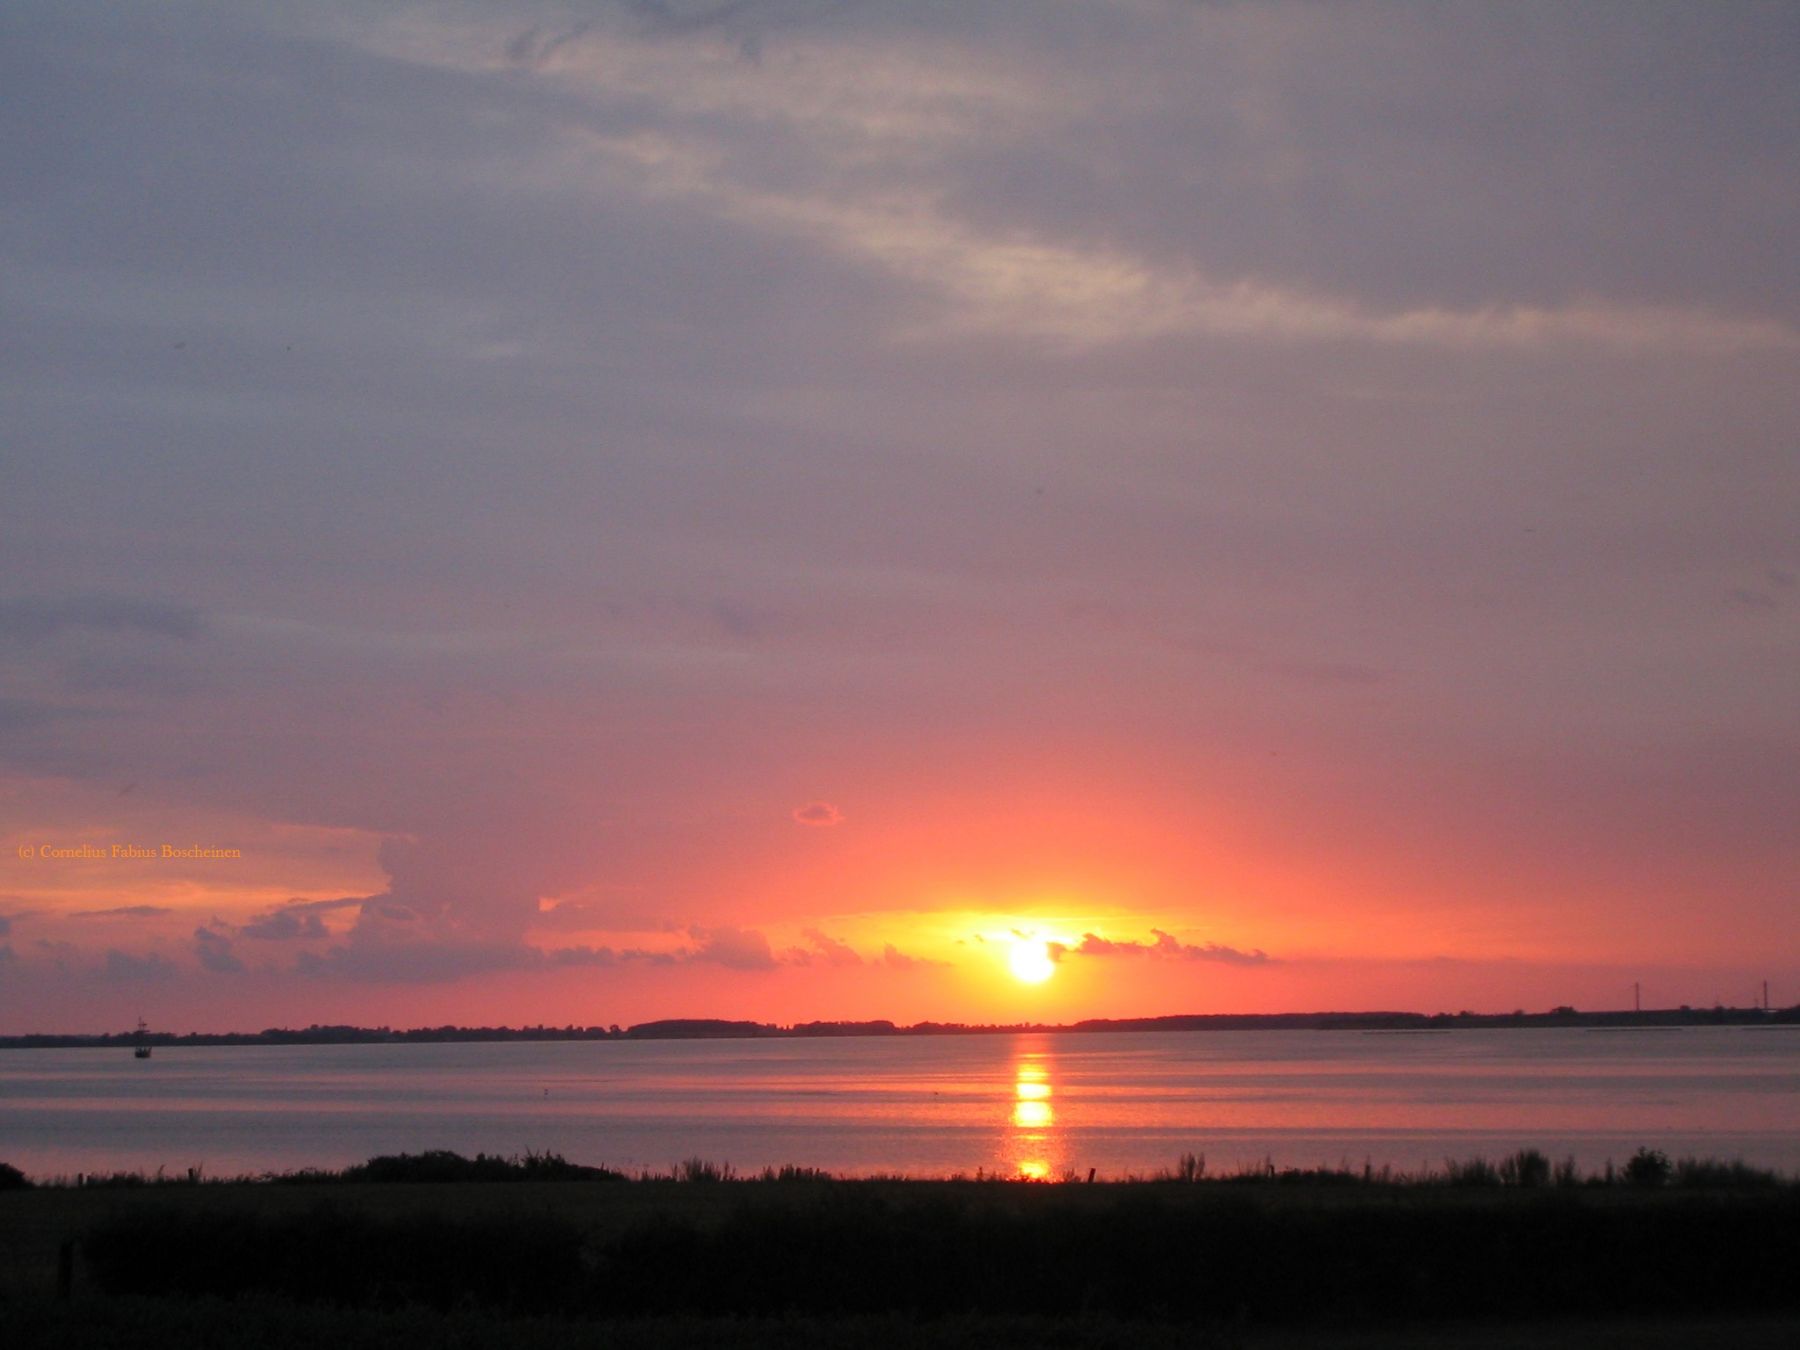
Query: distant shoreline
x=700, y=1028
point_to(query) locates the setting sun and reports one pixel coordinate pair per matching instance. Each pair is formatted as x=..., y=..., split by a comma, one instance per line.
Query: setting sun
x=1030, y=961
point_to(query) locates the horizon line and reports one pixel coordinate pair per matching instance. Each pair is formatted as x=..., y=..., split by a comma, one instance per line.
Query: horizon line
x=675, y=1028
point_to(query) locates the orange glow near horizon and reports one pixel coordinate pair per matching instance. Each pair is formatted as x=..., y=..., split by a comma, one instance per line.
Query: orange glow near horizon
x=1129, y=924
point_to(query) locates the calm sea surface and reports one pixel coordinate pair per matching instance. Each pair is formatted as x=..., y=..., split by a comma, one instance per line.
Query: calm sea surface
x=923, y=1106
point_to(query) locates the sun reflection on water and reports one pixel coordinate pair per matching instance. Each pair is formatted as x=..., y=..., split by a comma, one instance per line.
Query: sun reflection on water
x=1032, y=1143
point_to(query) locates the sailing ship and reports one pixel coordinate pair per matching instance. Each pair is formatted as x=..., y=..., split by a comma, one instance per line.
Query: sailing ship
x=142, y=1049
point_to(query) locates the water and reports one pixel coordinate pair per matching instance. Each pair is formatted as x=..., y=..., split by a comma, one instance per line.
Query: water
x=1042, y=1105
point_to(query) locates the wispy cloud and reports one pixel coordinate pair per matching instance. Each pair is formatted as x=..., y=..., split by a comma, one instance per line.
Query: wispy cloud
x=33, y=619
x=823, y=949
x=1035, y=287
x=891, y=121
x=1163, y=946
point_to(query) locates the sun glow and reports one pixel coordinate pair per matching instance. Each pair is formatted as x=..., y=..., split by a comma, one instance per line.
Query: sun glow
x=1030, y=961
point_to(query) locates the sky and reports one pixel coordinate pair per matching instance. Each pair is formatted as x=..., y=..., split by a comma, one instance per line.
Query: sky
x=593, y=511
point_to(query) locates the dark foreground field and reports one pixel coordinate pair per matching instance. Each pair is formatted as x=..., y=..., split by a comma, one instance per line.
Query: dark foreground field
x=1313, y=1260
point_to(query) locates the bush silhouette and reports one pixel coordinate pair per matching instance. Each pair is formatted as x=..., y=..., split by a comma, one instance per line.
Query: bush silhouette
x=1648, y=1167
x=1712, y=1172
x=1527, y=1167
x=440, y=1165
x=1474, y=1172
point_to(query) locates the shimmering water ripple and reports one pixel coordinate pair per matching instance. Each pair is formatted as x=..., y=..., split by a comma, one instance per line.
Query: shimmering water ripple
x=1044, y=1105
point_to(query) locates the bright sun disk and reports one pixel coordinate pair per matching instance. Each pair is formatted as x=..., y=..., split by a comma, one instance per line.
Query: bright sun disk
x=1030, y=961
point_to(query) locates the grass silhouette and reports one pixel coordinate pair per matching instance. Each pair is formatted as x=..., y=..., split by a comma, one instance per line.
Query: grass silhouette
x=1267, y=1247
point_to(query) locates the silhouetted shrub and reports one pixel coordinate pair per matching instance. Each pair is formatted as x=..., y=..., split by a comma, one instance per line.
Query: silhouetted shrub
x=121, y=1180
x=441, y=1165
x=1527, y=1167
x=699, y=1169
x=1474, y=1172
x=12, y=1179
x=1190, y=1167
x=1648, y=1167
x=1318, y=1176
x=789, y=1172
x=1267, y=1173
x=1712, y=1172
